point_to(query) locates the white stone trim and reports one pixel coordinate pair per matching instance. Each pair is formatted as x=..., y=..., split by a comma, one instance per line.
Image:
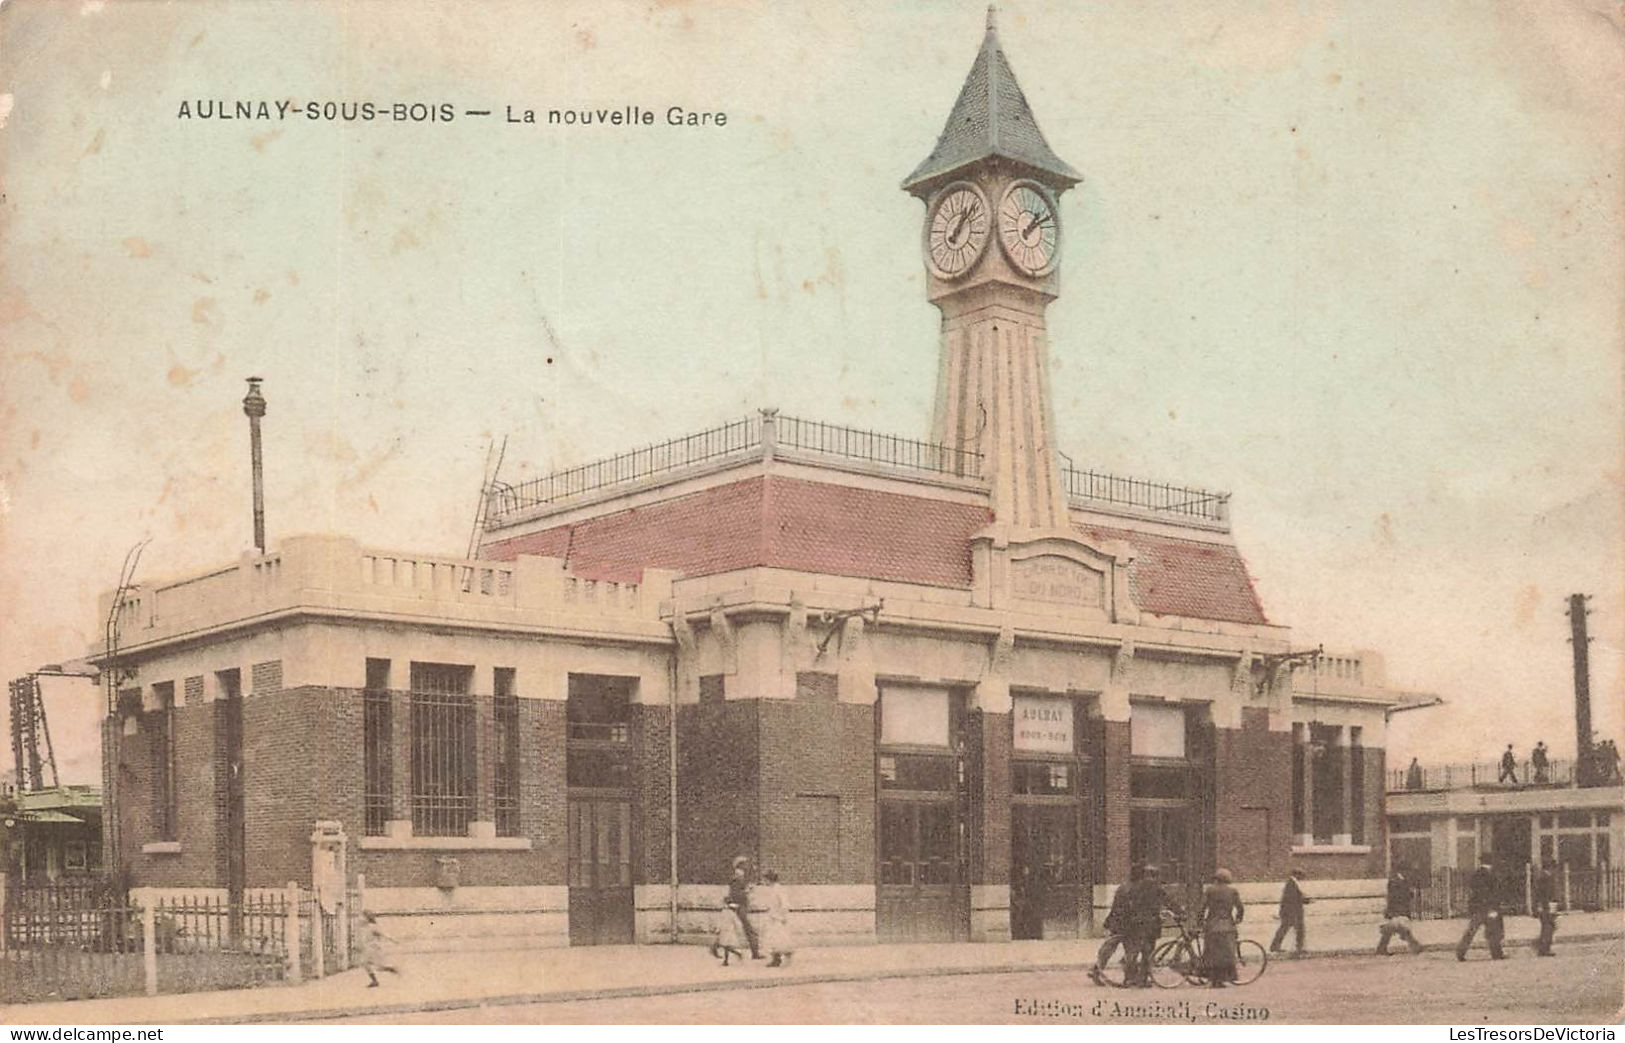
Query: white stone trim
x=1331, y=849
x=444, y=843
x=161, y=847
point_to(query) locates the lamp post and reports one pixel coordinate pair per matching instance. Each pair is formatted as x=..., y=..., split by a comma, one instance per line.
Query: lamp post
x=254, y=408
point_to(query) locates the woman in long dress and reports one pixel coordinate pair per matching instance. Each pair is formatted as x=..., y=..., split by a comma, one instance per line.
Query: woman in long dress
x=776, y=939
x=1221, y=912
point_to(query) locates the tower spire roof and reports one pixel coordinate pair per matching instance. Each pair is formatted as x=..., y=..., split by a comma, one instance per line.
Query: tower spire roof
x=991, y=118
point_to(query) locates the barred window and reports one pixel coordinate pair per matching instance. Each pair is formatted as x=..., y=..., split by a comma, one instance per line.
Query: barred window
x=377, y=727
x=163, y=761
x=505, y=753
x=443, y=779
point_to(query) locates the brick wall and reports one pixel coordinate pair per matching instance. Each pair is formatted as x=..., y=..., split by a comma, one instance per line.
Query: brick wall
x=1253, y=778
x=196, y=827
x=651, y=807
x=817, y=791
x=301, y=763
x=1115, y=792
x=991, y=863
x=1376, y=825
x=717, y=803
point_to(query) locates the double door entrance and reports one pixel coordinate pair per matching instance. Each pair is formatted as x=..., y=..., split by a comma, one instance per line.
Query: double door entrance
x=919, y=897
x=1048, y=883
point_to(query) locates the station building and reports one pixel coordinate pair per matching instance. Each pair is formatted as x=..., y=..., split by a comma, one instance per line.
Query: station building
x=948, y=688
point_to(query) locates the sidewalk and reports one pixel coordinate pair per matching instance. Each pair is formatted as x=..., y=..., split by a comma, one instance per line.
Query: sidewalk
x=449, y=981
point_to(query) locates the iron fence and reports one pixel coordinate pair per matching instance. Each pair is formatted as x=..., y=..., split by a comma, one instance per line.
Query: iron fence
x=1084, y=487
x=1483, y=773
x=738, y=436
x=212, y=943
x=890, y=451
x=1578, y=889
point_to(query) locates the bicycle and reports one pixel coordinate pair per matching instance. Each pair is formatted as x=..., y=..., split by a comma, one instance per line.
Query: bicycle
x=1180, y=960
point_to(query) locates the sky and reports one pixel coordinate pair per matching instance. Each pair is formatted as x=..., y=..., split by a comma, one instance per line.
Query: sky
x=1359, y=264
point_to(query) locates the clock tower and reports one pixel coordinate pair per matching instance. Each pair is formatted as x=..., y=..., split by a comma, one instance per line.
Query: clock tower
x=992, y=243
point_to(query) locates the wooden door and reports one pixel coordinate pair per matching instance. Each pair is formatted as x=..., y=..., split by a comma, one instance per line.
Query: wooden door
x=601, y=907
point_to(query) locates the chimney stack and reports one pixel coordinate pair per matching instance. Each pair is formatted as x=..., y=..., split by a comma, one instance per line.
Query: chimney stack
x=1582, y=676
x=254, y=408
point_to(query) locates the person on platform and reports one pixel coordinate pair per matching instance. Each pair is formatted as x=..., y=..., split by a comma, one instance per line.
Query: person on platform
x=1397, y=913
x=1145, y=904
x=1413, y=775
x=1116, y=924
x=1483, y=910
x=775, y=934
x=1543, y=898
x=1222, y=911
x=1291, y=914
x=1509, y=767
x=1541, y=762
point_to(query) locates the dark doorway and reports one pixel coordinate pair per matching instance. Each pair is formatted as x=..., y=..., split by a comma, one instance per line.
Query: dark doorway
x=600, y=797
x=1046, y=871
x=1509, y=856
x=600, y=872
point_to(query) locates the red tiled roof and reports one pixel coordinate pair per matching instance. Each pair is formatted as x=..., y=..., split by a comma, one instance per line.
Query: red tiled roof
x=1175, y=577
x=776, y=522
x=842, y=530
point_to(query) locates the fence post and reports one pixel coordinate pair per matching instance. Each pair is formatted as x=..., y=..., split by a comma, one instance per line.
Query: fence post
x=770, y=434
x=292, y=934
x=1528, y=888
x=318, y=961
x=341, y=930
x=149, y=942
x=1568, y=901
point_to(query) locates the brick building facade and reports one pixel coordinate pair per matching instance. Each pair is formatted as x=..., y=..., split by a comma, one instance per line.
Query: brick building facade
x=948, y=689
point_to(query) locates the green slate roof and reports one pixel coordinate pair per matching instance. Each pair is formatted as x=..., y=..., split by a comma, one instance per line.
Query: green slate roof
x=991, y=118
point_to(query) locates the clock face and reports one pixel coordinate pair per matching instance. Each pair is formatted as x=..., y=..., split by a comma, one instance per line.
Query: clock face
x=958, y=230
x=1029, y=229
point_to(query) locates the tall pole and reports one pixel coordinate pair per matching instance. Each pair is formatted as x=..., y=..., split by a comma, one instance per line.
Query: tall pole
x=1582, y=677
x=254, y=408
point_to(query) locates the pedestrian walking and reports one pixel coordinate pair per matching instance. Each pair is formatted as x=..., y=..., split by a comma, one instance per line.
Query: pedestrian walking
x=1291, y=914
x=734, y=930
x=775, y=935
x=374, y=956
x=1509, y=767
x=1222, y=911
x=1397, y=913
x=1541, y=762
x=1116, y=924
x=1483, y=910
x=1543, y=897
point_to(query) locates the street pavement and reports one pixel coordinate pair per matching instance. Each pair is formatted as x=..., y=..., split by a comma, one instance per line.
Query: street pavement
x=449, y=982
x=1581, y=984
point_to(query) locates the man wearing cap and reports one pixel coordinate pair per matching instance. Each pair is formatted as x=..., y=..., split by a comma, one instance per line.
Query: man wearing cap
x=1483, y=910
x=1143, y=926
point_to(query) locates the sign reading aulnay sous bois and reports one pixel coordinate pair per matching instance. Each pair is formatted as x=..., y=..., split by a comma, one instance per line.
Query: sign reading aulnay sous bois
x=1043, y=723
x=1057, y=580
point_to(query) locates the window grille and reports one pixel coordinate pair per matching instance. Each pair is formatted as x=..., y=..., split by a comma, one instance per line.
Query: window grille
x=442, y=749
x=378, y=766
x=163, y=762
x=505, y=753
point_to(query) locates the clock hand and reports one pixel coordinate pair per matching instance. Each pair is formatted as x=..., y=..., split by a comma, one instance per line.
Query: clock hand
x=959, y=224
